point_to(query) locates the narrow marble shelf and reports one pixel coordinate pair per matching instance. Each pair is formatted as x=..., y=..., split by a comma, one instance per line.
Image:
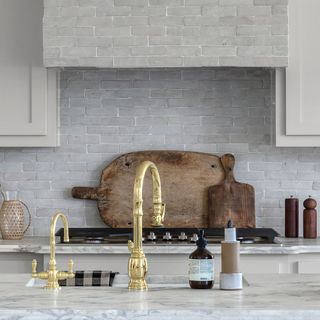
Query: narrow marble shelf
x=40, y=245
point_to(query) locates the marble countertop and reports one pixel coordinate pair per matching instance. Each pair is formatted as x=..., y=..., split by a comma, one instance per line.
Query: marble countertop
x=286, y=296
x=40, y=245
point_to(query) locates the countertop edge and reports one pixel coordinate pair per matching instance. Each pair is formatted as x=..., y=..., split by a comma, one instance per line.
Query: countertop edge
x=205, y=314
x=40, y=245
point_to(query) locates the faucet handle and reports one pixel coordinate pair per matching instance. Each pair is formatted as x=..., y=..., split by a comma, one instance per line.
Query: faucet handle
x=163, y=211
x=130, y=246
x=70, y=265
x=34, y=267
x=62, y=275
x=41, y=275
x=70, y=271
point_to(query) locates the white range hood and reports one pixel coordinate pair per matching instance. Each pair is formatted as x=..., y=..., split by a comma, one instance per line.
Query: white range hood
x=165, y=33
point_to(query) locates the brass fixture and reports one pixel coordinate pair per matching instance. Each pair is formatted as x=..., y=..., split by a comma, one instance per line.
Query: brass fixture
x=53, y=275
x=137, y=265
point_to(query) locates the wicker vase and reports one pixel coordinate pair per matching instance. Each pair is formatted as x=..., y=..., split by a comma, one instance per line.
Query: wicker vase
x=12, y=225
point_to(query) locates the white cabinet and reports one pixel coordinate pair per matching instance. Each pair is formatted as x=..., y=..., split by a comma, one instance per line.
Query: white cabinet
x=28, y=91
x=308, y=267
x=18, y=262
x=171, y=264
x=308, y=264
x=298, y=86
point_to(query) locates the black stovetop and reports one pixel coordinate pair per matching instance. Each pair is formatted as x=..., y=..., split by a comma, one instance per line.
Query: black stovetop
x=165, y=236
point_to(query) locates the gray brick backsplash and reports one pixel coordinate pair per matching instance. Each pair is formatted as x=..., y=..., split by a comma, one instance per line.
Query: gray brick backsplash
x=163, y=33
x=107, y=112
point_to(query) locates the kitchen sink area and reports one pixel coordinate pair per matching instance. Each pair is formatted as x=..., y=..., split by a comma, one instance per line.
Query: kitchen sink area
x=122, y=280
x=154, y=282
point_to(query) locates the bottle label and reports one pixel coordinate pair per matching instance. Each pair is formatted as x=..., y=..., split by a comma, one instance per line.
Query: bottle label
x=201, y=269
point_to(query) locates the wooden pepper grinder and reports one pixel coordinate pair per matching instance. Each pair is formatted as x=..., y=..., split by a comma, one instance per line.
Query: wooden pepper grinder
x=310, y=218
x=291, y=217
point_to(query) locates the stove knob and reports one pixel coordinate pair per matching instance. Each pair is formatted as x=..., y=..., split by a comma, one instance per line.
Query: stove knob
x=194, y=238
x=152, y=236
x=167, y=236
x=182, y=236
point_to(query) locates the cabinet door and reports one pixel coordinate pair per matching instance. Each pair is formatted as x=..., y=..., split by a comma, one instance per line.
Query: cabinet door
x=302, y=74
x=22, y=79
x=309, y=266
x=19, y=262
x=282, y=139
x=23, y=100
x=52, y=138
x=28, y=103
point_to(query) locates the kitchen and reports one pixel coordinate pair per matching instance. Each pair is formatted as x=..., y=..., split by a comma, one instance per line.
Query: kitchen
x=119, y=77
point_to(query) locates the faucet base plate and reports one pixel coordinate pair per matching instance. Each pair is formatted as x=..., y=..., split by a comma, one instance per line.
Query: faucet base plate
x=52, y=286
x=138, y=284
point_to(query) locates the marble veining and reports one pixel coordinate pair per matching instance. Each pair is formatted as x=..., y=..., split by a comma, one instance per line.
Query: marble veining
x=286, y=296
x=40, y=245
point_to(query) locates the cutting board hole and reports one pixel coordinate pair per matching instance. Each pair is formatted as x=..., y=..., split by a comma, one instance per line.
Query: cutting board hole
x=213, y=166
x=129, y=223
x=127, y=164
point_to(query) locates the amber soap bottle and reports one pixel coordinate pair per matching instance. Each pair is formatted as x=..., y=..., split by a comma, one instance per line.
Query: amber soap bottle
x=201, y=265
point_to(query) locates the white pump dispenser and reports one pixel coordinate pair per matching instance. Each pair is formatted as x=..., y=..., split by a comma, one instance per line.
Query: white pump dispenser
x=230, y=276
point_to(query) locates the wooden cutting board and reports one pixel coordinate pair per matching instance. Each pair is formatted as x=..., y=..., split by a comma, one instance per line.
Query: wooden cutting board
x=185, y=179
x=231, y=200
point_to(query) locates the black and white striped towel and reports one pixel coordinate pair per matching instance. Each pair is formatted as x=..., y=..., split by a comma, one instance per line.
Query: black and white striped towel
x=95, y=278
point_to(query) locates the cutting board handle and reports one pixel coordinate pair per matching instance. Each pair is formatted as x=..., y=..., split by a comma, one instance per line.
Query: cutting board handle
x=228, y=162
x=85, y=193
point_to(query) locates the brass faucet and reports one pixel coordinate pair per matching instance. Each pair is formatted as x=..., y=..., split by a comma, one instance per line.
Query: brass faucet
x=53, y=275
x=137, y=265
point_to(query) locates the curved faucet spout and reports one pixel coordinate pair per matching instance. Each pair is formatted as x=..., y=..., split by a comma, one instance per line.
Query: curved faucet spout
x=137, y=262
x=52, y=233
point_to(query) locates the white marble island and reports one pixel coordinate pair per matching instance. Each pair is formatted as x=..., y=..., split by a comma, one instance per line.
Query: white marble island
x=266, y=297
